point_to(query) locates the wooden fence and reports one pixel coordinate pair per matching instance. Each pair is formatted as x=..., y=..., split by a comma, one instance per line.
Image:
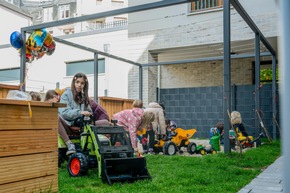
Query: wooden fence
x=113, y=105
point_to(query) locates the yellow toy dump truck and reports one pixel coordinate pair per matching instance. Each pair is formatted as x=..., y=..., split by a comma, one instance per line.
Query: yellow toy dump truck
x=179, y=138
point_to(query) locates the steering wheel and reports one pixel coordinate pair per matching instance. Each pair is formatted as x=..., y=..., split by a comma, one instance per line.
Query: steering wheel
x=83, y=120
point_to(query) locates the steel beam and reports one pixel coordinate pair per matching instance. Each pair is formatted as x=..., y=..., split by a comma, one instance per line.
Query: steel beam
x=274, y=97
x=257, y=83
x=285, y=91
x=140, y=82
x=96, y=77
x=205, y=59
x=236, y=4
x=94, y=51
x=227, y=74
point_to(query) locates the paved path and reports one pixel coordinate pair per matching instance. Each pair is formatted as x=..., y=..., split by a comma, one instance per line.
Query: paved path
x=269, y=181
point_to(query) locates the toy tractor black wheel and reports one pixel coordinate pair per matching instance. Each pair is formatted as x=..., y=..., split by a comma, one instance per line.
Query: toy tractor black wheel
x=77, y=165
x=191, y=148
x=169, y=148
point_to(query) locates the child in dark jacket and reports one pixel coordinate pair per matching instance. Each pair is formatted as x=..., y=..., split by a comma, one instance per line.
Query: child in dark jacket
x=98, y=111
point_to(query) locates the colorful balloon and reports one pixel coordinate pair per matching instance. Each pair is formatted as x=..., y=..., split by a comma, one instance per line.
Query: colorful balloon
x=40, y=42
x=16, y=40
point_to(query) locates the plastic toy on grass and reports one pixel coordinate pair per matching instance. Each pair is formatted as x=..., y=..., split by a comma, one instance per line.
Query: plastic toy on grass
x=212, y=148
x=245, y=142
x=203, y=150
x=109, y=149
x=180, y=138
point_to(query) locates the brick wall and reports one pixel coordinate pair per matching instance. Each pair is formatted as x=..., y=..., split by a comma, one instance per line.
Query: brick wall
x=202, y=74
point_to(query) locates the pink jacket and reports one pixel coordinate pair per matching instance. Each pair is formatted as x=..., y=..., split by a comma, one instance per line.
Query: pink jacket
x=130, y=119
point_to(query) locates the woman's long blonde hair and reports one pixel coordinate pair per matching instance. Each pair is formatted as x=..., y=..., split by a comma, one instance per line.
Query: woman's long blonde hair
x=236, y=117
x=147, y=118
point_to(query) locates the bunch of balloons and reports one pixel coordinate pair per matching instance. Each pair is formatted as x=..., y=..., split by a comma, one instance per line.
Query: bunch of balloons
x=39, y=42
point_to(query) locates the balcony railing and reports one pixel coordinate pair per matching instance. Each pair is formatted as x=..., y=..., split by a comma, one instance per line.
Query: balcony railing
x=206, y=4
x=98, y=26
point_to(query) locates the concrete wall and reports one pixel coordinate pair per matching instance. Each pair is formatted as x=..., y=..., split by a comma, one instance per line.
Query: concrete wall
x=202, y=107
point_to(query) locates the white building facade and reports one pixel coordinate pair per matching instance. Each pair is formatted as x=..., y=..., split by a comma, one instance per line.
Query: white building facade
x=194, y=30
x=107, y=35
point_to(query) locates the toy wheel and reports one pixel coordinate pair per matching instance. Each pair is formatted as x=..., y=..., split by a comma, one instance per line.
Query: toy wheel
x=77, y=165
x=202, y=152
x=169, y=148
x=191, y=148
x=214, y=151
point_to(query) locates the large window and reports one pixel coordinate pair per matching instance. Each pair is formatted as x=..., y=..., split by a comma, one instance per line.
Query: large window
x=63, y=12
x=84, y=66
x=47, y=14
x=12, y=74
x=206, y=5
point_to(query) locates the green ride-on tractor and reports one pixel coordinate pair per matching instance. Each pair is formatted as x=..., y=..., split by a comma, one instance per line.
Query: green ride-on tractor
x=106, y=147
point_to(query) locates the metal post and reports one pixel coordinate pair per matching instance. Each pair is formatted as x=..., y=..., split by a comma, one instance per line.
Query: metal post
x=159, y=83
x=257, y=83
x=285, y=91
x=96, y=76
x=227, y=73
x=274, y=95
x=140, y=82
x=23, y=62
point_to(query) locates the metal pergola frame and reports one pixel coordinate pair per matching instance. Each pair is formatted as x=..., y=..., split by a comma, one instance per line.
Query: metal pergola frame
x=227, y=55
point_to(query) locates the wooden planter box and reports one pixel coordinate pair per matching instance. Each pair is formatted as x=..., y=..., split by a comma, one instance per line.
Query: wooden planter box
x=4, y=89
x=28, y=146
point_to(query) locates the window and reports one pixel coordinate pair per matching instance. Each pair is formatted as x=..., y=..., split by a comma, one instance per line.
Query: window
x=266, y=74
x=85, y=66
x=47, y=14
x=12, y=74
x=10, y=1
x=206, y=5
x=63, y=11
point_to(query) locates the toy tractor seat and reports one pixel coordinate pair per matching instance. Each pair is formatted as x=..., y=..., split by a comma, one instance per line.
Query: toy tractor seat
x=75, y=133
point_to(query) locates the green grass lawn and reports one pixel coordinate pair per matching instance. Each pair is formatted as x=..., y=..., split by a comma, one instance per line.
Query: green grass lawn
x=219, y=173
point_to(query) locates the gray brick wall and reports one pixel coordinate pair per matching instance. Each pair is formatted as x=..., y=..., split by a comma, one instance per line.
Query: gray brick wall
x=202, y=107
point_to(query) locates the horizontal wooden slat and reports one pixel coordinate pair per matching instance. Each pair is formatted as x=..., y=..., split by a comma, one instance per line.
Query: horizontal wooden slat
x=27, y=142
x=17, y=117
x=32, y=103
x=42, y=184
x=9, y=87
x=17, y=168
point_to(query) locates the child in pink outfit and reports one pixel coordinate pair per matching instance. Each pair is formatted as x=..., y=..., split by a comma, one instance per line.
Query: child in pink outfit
x=130, y=119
